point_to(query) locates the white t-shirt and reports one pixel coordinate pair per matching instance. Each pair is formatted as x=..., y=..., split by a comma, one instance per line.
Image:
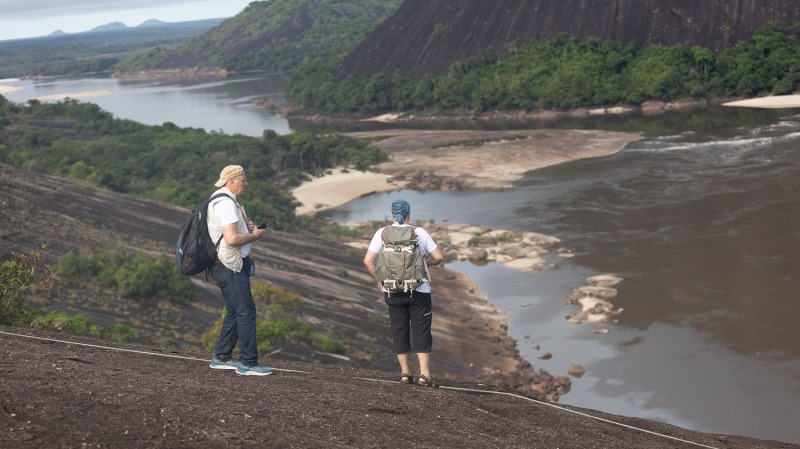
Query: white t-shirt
x=225, y=212
x=424, y=240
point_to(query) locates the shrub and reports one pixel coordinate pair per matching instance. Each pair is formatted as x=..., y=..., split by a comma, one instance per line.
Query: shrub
x=137, y=275
x=81, y=324
x=281, y=323
x=17, y=275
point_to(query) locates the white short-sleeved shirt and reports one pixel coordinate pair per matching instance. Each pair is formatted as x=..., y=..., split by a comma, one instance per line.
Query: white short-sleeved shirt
x=424, y=240
x=225, y=212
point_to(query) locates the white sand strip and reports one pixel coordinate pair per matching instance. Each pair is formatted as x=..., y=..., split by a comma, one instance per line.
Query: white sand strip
x=339, y=188
x=74, y=95
x=773, y=102
x=7, y=89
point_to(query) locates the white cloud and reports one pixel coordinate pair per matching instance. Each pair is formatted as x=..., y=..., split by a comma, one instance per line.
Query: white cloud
x=16, y=9
x=20, y=19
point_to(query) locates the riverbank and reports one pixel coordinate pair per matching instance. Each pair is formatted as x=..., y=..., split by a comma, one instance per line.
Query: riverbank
x=453, y=160
x=477, y=160
x=5, y=89
x=339, y=187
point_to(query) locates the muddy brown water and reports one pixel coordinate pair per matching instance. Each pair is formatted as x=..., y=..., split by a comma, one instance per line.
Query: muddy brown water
x=704, y=226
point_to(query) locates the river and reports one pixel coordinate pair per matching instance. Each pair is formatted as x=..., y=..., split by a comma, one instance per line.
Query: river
x=701, y=219
x=214, y=105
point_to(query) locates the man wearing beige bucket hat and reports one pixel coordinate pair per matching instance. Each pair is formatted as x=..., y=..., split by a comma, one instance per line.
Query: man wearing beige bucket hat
x=232, y=270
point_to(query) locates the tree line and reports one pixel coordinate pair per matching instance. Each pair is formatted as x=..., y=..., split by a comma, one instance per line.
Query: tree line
x=167, y=163
x=562, y=72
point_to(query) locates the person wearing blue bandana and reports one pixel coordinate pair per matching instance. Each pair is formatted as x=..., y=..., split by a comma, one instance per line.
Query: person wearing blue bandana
x=410, y=312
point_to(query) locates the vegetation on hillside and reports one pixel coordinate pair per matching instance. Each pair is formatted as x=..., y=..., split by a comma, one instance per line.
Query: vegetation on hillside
x=30, y=271
x=280, y=323
x=274, y=35
x=136, y=275
x=567, y=72
x=167, y=163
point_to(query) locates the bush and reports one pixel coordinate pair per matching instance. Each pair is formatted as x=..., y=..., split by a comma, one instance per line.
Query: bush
x=17, y=275
x=80, y=324
x=136, y=275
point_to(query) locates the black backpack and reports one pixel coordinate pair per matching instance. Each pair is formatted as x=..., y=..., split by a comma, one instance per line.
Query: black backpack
x=195, y=251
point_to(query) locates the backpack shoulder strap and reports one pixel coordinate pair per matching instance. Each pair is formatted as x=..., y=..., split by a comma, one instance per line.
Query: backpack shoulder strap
x=221, y=194
x=208, y=202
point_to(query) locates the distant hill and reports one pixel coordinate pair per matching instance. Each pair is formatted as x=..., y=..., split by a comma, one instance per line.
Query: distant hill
x=428, y=36
x=153, y=23
x=113, y=26
x=273, y=35
x=92, y=51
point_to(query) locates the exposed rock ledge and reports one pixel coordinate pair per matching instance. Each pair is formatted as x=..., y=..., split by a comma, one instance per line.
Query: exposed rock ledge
x=519, y=250
x=593, y=299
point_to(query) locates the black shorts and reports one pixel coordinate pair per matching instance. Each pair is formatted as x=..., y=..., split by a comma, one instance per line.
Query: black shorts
x=410, y=318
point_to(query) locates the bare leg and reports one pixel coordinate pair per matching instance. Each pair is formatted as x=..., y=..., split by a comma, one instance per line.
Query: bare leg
x=403, y=359
x=424, y=363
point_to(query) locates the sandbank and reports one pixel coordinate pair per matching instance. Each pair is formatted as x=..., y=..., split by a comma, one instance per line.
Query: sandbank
x=74, y=95
x=772, y=102
x=8, y=89
x=468, y=160
x=339, y=187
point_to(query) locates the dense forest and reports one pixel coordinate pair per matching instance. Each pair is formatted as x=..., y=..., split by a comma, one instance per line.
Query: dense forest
x=273, y=35
x=429, y=36
x=566, y=72
x=167, y=163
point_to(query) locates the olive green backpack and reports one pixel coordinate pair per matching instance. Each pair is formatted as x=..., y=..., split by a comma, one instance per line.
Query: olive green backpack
x=401, y=264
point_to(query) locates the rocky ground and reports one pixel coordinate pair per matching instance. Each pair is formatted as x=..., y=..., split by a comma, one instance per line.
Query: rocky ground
x=62, y=391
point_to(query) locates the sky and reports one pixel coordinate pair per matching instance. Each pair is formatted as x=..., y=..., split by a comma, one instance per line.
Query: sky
x=34, y=18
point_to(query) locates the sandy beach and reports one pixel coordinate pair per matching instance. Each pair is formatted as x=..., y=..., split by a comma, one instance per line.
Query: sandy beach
x=74, y=95
x=4, y=89
x=457, y=160
x=771, y=102
x=338, y=188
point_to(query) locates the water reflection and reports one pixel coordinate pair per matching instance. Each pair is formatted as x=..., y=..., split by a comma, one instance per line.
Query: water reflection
x=227, y=106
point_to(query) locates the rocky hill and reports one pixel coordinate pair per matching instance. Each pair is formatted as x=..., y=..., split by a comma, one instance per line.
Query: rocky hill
x=337, y=293
x=428, y=36
x=273, y=35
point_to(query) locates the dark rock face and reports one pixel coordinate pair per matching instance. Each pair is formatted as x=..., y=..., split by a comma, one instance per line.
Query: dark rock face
x=428, y=36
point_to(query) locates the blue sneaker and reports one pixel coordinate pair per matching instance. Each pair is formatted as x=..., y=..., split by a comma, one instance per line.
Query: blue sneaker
x=255, y=370
x=228, y=364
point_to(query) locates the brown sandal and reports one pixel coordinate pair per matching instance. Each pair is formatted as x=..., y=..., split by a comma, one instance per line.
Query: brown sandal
x=406, y=378
x=426, y=381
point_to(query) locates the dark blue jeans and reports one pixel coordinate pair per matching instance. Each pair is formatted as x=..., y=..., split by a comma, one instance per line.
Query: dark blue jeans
x=239, y=323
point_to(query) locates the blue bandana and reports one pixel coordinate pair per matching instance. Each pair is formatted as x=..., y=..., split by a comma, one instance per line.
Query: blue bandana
x=400, y=209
